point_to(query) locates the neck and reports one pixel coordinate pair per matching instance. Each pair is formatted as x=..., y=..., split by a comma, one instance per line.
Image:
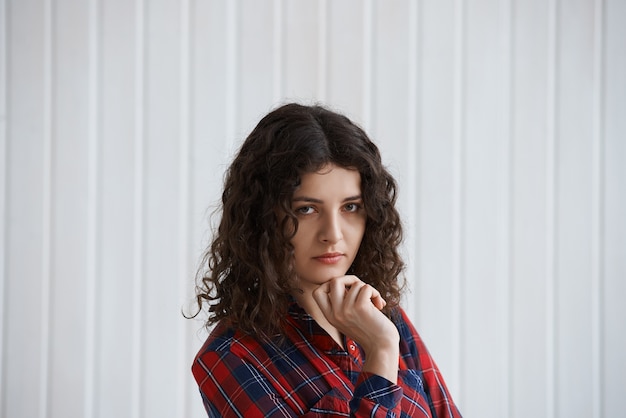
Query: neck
x=306, y=301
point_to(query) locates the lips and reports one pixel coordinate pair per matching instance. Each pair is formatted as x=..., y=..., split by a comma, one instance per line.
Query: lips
x=329, y=258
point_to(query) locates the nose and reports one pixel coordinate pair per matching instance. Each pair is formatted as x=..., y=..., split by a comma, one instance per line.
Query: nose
x=331, y=230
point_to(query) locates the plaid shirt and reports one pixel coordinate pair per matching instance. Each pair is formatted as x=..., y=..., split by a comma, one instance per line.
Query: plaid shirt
x=311, y=375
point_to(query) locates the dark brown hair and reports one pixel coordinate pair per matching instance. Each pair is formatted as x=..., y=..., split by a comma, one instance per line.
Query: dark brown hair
x=247, y=276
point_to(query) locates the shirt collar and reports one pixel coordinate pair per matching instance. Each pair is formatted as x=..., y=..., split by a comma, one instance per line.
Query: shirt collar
x=311, y=329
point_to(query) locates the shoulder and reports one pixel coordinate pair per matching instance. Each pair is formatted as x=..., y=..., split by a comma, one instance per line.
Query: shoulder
x=226, y=354
x=227, y=344
x=216, y=345
x=220, y=338
x=225, y=339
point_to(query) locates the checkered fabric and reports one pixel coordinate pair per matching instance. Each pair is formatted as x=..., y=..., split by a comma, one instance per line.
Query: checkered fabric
x=310, y=375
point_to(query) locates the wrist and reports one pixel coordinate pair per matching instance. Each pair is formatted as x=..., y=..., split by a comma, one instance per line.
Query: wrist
x=383, y=361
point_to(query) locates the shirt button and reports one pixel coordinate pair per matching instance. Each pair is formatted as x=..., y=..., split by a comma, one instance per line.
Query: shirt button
x=352, y=347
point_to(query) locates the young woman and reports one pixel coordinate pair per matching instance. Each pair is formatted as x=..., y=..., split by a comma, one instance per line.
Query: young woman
x=303, y=282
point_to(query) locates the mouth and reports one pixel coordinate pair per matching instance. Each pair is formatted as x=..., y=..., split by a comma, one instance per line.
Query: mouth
x=329, y=258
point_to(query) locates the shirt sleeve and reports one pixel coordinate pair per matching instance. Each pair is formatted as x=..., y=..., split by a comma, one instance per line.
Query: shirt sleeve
x=230, y=387
x=375, y=396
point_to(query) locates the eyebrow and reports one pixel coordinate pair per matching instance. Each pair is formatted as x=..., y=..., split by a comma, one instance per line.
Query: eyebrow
x=313, y=200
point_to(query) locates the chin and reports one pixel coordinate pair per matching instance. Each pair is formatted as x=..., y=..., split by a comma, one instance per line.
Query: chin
x=331, y=275
x=318, y=276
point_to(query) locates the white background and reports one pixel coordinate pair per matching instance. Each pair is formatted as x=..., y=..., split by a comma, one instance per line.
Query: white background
x=504, y=122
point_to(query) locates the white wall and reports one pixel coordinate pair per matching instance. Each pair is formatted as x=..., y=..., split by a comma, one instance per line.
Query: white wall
x=504, y=121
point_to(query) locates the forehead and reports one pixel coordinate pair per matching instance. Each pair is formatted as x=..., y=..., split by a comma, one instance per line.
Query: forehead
x=331, y=180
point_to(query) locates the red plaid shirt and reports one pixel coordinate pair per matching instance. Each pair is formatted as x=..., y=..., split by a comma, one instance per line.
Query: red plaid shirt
x=311, y=375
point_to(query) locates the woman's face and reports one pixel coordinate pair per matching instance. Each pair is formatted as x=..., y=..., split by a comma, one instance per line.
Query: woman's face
x=331, y=224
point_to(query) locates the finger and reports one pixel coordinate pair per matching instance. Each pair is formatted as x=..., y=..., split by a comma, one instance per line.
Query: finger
x=337, y=289
x=352, y=293
x=369, y=294
x=353, y=286
x=323, y=288
x=356, y=283
x=320, y=295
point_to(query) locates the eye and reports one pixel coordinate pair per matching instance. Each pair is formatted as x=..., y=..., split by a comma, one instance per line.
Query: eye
x=352, y=207
x=305, y=210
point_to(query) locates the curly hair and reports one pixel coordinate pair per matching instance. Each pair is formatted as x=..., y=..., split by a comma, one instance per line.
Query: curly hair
x=247, y=276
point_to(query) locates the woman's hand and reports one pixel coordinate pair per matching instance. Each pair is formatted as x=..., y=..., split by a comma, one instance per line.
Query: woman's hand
x=353, y=307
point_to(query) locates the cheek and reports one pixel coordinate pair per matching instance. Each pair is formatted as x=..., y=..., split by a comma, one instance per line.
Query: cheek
x=358, y=229
x=299, y=239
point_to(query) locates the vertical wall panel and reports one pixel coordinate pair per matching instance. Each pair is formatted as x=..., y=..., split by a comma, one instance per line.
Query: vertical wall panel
x=435, y=166
x=484, y=166
x=116, y=275
x=301, y=49
x=214, y=139
x=138, y=363
x=597, y=208
x=323, y=48
x=346, y=58
x=4, y=164
x=389, y=84
x=162, y=193
x=183, y=381
x=529, y=210
x=23, y=369
x=233, y=73
x=93, y=210
x=211, y=147
x=613, y=366
x=550, y=216
x=70, y=106
x=48, y=142
x=505, y=191
x=459, y=116
x=278, y=44
x=368, y=69
x=256, y=50
x=414, y=85
x=574, y=234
